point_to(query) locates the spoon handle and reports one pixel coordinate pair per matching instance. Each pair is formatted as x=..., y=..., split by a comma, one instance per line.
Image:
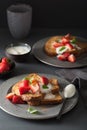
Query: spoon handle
x=62, y=107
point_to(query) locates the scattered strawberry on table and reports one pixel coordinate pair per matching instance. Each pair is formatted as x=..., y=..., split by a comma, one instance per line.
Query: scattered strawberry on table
x=4, y=65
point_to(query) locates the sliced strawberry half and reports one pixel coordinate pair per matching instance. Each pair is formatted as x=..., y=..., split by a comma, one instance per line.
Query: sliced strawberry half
x=70, y=47
x=9, y=96
x=34, y=87
x=24, y=86
x=71, y=58
x=23, y=83
x=67, y=36
x=17, y=100
x=44, y=80
x=61, y=57
x=66, y=54
x=65, y=40
x=57, y=44
x=24, y=90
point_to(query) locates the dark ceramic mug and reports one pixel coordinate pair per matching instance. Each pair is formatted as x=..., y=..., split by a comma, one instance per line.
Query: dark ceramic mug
x=19, y=18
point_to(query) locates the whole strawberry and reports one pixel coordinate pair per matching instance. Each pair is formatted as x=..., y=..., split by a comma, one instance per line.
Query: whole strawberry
x=4, y=65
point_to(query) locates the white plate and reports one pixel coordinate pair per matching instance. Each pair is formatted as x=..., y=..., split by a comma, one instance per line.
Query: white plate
x=45, y=112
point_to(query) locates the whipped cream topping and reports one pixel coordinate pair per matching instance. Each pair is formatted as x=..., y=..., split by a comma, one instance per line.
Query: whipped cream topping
x=49, y=96
x=46, y=90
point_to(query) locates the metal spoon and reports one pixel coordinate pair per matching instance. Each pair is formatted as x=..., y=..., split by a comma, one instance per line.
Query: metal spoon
x=68, y=92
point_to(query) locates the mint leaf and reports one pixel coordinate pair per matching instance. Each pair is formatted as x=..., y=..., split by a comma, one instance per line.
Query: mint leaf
x=45, y=87
x=73, y=40
x=32, y=110
x=62, y=48
x=25, y=78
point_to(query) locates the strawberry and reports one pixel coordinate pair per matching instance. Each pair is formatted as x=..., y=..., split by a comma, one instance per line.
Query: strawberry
x=9, y=96
x=67, y=36
x=65, y=40
x=44, y=80
x=61, y=57
x=71, y=58
x=4, y=60
x=57, y=44
x=23, y=89
x=70, y=47
x=24, y=86
x=24, y=83
x=4, y=67
x=66, y=54
x=17, y=100
x=34, y=87
x=14, y=98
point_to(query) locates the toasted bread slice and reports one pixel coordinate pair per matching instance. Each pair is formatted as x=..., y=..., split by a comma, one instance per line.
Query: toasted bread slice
x=51, y=51
x=32, y=97
x=48, y=47
x=38, y=96
x=15, y=89
x=56, y=100
x=34, y=103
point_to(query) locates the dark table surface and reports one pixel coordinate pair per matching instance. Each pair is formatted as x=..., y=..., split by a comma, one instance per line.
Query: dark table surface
x=76, y=119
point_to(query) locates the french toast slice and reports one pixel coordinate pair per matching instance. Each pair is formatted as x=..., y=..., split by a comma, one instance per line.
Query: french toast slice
x=49, y=101
x=48, y=47
x=77, y=51
x=32, y=97
x=36, y=96
x=83, y=46
x=56, y=100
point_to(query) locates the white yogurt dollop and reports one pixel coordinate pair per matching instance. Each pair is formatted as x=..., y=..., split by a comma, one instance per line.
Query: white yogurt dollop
x=69, y=91
x=49, y=96
x=18, y=50
x=47, y=90
x=61, y=49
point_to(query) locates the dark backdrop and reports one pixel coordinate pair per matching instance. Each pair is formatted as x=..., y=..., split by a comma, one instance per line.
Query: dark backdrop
x=52, y=13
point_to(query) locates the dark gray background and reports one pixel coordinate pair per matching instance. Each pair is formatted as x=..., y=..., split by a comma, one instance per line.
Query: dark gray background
x=51, y=13
x=76, y=119
x=65, y=16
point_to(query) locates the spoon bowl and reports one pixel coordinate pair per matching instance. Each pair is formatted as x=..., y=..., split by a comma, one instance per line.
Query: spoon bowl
x=69, y=91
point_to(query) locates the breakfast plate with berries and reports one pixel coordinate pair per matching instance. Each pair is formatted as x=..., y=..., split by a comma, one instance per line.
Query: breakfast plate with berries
x=65, y=51
x=35, y=96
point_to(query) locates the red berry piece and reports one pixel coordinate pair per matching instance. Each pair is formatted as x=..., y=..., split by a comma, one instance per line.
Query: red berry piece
x=34, y=87
x=45, y=80
x=61, y=57
x=17, y=100
x=9, y=96
x=72, y=58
